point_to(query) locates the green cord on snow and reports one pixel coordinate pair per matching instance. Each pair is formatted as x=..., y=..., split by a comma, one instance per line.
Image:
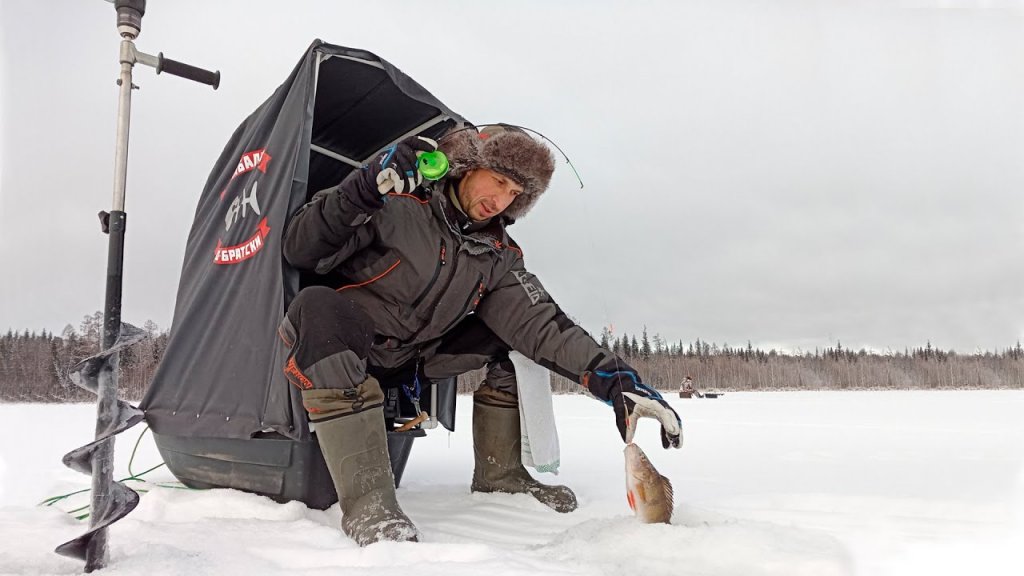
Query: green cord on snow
x=131, y=476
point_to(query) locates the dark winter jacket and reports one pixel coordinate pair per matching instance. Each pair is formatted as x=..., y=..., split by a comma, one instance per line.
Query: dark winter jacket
x=418, y=266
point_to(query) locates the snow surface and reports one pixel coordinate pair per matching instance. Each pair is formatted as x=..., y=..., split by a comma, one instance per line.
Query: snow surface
x=802, y=483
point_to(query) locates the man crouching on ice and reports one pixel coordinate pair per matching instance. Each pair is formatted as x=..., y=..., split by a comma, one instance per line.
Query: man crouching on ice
x=433, y=278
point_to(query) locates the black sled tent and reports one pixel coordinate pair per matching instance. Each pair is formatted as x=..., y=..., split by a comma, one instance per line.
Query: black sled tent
x=220, y=408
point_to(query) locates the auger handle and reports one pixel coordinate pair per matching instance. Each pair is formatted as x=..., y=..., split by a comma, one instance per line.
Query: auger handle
x=187, y=71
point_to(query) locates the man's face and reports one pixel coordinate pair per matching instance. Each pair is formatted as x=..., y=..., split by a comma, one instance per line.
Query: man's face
x=484, y=193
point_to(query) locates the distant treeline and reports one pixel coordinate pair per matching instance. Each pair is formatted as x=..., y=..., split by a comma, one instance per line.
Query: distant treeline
x=34, y=366
x=722, y=367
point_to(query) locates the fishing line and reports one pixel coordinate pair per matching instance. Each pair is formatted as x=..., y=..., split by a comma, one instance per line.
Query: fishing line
x=608, y=325
x=434, y=165
x=593, y=247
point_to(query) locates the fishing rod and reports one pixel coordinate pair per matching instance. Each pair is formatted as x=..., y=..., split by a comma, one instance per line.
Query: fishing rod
x=434, y=165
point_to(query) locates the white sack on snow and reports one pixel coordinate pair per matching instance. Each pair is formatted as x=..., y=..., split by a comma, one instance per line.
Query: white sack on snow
x=536, y=415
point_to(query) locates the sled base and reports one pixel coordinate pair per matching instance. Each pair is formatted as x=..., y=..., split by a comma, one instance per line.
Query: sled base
x=271, y=465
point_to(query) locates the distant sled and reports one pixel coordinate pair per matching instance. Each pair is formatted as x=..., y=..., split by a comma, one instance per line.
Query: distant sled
x=698, y=394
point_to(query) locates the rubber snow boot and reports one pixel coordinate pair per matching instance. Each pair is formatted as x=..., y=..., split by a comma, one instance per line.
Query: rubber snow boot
x=355, y=447
x=497, y=447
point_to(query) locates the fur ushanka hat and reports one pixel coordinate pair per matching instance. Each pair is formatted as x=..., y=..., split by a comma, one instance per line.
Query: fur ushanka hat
x=504, y=149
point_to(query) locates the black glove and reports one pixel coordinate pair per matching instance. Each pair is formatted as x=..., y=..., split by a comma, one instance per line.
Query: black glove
x=394, y=170
x=619, y=386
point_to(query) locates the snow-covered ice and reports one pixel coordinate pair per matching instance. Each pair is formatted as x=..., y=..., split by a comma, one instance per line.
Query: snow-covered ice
x=782, y=483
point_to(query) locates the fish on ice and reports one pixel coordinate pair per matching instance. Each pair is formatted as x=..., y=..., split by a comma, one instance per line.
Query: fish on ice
x=648, y=492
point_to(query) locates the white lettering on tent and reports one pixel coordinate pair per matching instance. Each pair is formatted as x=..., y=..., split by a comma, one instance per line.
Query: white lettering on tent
x=240, y=205
x=245, y=250
x=250, y=160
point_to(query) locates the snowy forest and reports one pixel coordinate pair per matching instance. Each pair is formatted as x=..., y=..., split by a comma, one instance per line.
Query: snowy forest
x=34, y=366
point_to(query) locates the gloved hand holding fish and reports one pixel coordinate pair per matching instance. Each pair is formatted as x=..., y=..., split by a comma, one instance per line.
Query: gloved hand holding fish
x=618, y=385
x=649, y=493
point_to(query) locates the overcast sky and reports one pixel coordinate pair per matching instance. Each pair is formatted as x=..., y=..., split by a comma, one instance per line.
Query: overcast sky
x=791, y=173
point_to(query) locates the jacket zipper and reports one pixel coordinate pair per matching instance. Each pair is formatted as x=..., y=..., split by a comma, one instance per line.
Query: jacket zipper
x=440, y=294
x=433, y=279
x=474, y=299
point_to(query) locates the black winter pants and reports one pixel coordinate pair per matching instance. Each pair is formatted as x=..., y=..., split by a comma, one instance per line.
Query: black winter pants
x=331, y=341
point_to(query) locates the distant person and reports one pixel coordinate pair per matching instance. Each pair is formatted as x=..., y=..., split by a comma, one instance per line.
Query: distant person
x=686, y=389
x=435, y=283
